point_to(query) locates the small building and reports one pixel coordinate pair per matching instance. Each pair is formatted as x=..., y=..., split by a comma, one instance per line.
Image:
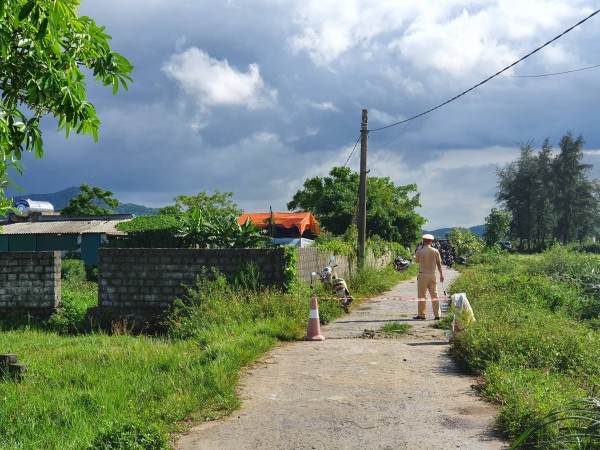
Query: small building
x=39, y=228
x=288, y=228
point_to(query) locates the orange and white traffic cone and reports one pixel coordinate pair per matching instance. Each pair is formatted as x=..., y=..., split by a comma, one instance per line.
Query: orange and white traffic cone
x=313, y=333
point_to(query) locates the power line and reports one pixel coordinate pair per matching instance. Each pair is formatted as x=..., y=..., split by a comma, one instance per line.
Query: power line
x=493, y=76
x=396, y=137
x=551, y=74
x=352, y=153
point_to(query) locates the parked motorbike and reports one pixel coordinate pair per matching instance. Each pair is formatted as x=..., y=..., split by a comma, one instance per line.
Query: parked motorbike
x=336, y=285
x=401, y=264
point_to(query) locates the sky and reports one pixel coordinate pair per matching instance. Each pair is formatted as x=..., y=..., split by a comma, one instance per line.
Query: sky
x=256, y=96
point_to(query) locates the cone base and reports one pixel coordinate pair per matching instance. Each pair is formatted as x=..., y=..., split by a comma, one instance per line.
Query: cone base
x=318, y=337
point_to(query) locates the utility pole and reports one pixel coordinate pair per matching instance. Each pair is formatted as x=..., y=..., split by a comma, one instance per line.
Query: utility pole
x=362, y=190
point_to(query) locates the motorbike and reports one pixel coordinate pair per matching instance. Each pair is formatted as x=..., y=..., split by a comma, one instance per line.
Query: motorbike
x=336, y=285
x=401, y=264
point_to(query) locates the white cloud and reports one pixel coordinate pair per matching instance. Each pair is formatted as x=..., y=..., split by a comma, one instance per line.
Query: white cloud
x=325, y=106
x=211, y=82
x=452, y=37
x=456, y=186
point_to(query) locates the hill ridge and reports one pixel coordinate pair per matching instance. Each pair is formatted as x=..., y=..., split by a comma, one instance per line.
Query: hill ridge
x=60, y=199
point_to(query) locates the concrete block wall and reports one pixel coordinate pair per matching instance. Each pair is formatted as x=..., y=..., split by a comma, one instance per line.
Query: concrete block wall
x=140, y=283
x=378, y=262
x=313, y=260
x=30, y=282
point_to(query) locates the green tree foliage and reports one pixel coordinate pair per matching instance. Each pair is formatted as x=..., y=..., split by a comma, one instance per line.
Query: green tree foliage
x=219, y=205
x=464, y=241
x=575, y=196
x=46, y=50
x=497, y=226
x=90, y=202
x=158, y=231
x=550, y=197
x=333, y=200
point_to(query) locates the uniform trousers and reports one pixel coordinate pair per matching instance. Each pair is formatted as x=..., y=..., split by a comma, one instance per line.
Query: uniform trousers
x=427, y=282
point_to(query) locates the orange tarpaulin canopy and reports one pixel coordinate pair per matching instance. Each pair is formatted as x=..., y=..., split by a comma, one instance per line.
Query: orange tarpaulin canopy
x=303, y=221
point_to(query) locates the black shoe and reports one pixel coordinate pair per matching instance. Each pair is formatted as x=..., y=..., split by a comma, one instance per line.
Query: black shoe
x=418, y=318
x=436, y=318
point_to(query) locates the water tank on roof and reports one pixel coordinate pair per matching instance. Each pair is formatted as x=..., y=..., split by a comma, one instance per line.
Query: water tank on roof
x=30, y=207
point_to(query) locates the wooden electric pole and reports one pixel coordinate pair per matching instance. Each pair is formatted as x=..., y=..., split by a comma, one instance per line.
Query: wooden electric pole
x=362, y=190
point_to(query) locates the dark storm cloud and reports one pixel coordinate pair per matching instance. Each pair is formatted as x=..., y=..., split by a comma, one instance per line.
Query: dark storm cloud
x=255, y=97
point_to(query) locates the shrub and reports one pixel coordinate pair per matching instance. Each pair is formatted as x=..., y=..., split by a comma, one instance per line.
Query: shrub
x=130, y=436
x=158, y=231
x=212, y=302
x=72, y=269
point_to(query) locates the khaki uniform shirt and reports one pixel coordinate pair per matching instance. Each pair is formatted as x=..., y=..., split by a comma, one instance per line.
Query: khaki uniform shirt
x=428, y=258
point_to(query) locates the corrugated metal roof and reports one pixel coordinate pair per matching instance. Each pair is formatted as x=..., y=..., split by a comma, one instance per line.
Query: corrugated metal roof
x=64, y=227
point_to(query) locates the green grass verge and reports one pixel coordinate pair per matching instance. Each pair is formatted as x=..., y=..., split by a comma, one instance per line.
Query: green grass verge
x=534, y=344
x=87, y=389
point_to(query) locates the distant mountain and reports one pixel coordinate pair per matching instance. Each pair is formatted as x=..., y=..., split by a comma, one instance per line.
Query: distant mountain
x=441, y=232
x=61, y=199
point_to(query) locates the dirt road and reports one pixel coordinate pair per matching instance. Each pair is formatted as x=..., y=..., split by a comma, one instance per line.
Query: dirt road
x=357, y=390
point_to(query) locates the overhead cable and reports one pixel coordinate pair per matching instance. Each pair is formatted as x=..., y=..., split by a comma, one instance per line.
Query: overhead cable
x=551, y=74
x=352, y=153
x=493, y=76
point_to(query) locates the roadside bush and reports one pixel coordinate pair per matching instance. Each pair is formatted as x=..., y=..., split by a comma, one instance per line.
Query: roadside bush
x=72, y=269
x=214, y=303
x=77, y=297
x=488, y=255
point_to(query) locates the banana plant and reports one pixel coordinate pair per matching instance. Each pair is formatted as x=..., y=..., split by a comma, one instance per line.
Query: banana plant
x=195, y=230
x=198, y=231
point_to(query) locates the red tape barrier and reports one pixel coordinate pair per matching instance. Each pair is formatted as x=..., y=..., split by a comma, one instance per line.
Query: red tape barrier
x=408, y=299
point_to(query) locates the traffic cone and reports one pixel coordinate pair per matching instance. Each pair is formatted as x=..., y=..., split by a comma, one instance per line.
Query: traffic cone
x=313, y=333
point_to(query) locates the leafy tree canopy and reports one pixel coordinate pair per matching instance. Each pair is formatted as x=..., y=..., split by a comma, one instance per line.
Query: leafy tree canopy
x=217, y=206
x=497, y=226
x=90, y=202
x=45, y=49
x=159, y=231
x=550, y=197
x=333, y=200
x=464, y=241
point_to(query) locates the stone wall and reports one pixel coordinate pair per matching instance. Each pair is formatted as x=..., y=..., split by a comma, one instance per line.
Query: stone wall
x=29, y=282
x=313, y=260
x=137, y=284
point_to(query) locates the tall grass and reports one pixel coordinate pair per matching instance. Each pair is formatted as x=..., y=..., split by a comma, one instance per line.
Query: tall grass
x=85, y=388
x=532, y=346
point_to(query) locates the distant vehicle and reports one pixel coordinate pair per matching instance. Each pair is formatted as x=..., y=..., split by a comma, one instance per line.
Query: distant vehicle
x=504, y=244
